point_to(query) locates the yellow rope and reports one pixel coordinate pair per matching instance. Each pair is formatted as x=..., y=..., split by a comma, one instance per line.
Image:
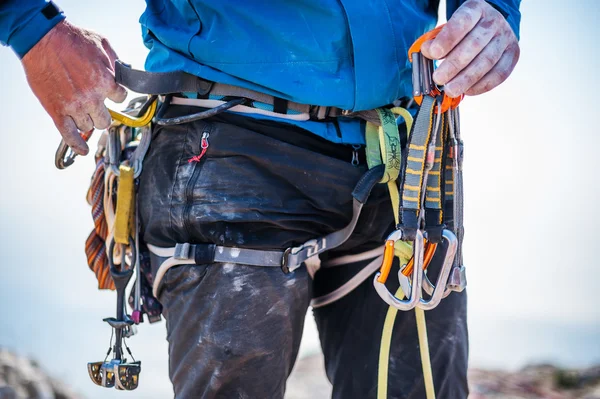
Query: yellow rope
x=425, y=357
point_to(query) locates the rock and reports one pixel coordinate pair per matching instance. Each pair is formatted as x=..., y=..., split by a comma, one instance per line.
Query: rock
x=21, y=378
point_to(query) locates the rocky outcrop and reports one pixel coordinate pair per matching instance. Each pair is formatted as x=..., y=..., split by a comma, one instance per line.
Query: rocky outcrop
x=21, y=378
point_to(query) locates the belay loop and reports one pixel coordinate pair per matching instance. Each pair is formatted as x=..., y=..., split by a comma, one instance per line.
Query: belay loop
x=427, y=201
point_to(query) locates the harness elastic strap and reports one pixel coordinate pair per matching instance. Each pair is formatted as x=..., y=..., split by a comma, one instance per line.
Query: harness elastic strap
x=348, y=287
x=296, y=256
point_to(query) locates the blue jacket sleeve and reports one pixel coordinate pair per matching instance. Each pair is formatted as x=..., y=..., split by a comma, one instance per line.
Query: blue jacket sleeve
x=508, y=8
x=24, y=22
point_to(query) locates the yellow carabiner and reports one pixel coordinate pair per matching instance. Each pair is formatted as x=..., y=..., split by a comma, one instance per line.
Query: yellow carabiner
x=133, y=121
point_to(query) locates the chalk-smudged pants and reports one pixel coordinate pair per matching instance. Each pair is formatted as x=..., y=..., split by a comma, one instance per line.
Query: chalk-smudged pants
x=234, y=330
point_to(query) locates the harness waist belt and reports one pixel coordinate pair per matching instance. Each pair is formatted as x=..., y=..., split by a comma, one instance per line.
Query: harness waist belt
x=161, y=83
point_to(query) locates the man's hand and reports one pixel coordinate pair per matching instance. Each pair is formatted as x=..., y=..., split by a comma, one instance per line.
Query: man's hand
x=479, y=49
x=71, y=71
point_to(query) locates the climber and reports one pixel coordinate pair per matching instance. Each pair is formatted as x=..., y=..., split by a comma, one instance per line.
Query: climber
x=272, y=174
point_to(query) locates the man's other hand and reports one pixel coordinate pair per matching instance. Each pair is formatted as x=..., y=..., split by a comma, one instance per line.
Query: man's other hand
x=71, y=71
x=479, y=48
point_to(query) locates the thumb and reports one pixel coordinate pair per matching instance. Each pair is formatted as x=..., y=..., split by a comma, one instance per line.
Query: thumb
x=426, y=50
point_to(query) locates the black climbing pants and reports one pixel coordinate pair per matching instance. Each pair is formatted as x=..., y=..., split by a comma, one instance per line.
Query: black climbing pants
x=234, y=330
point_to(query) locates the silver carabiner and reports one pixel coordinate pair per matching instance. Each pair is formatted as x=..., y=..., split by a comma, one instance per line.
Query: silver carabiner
x=439, y=290
x=414, y=295
x=65, y=156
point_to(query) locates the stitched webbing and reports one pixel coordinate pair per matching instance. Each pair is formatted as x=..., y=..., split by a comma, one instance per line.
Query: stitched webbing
x=419, y=139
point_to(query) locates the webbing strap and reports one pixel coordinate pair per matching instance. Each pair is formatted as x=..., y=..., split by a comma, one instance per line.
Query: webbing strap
x=383, y=143
x=433, y=194
x=415, y=164
x=457, y=204
x=294, y=257
x=161, y=83
x=123, y=226
x=449, y=178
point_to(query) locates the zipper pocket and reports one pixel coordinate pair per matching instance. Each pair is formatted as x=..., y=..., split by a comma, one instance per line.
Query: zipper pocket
x=197, y=161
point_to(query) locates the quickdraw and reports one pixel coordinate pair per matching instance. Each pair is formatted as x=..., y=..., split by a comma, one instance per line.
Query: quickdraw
x=427, y=201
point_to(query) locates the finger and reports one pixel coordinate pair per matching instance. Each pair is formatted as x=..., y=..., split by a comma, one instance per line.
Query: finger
x=478, y=68
x=115, y=92
x=467, y=50
x=101, y=117
x=461, y=23
x=112, y=55
x=68, y=131
x=83, y=121
x=499, y=73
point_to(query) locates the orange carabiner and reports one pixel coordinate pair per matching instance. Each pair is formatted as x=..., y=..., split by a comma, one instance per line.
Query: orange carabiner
x=429, y=251
x=416, y=46
x=447, y=102
x=388, y=256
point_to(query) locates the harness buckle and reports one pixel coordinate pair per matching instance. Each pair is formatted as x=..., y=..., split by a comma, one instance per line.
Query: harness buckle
x=284, y=261
x=182, y=251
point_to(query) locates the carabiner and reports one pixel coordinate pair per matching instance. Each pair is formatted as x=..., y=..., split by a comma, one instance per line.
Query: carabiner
x=136, y=121
x=65, y=156
x=417, y=276
x=422, y=78
x=429, y=252
x=439, y=290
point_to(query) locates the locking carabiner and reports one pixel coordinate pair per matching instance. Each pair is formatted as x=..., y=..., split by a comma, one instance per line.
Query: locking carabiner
x=380, y=278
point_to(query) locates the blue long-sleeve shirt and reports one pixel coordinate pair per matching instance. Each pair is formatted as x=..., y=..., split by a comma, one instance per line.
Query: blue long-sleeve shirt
x=350, y=54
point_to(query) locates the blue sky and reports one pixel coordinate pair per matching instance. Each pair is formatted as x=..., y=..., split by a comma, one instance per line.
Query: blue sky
x=531, y=209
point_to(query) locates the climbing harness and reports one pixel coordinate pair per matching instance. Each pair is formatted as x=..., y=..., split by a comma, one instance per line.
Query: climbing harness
x=423, y=173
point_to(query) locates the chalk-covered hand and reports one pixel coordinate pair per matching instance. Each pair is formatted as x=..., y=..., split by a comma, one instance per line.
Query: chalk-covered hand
x=71, y=71
x=479, y=48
